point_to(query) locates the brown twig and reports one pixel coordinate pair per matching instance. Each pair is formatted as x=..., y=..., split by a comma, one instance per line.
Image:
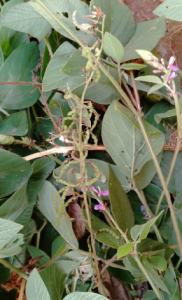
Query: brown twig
x=36, y=84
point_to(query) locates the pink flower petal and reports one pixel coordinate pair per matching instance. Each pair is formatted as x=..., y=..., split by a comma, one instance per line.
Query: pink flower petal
x=171, y=60
x=99, y=206
x=103, y=193
x=95, y=190
x=174, y=68
x=171, y=76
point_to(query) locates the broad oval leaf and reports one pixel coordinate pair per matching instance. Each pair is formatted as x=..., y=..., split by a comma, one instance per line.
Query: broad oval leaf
x=119, y=19
x=24, y=18
x=14, y=170
x=120, y=204
x=46, y=206
x=124, y=141
x=84, y=296
x=146, y=37
x=132, y=66
x=8, y=230
x=16, y=69
x=125, y=249
x=15, y=125
x=171, y=9
x=112, y=47
x=35, y=287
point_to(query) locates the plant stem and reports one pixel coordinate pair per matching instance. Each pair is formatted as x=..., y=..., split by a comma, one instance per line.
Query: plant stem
x=48, y=46
x=155, y=289
x=161, y=177
x=4, y=111
x=39, y=232
x=58, y=161
x=169, y=174
x=75, y=278
x=12, y=268
x=135, y=92
x=149, y=212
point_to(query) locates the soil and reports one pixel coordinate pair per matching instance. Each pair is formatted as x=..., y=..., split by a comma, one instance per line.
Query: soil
x=171, y=44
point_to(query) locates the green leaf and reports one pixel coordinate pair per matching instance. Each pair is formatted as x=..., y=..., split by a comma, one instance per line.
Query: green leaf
x=35, y=287
x=15, y=125
x=54, y=277
x=149, y=78
x=5, y=274
x=58, y=245
x=22, y=17
x=125, y=249
x=133, y=267
x=9, y=38
x=175, y=183
x=158, y=263
x=154, y=88
x=53, y=78
x=146, y=37
x=58, y=106
x=1, y=57
x=16, y=69
x=75, y=66
x=132, y=66
x=171, y=282
x=151, y=247
x=83, y=296
x=167, y=229
x=52, y=12
x=167, y=114
x=35, y=252
x=12, y=208
x=148, y=171
x=120, y=204
x=150, y=295
x=46, y=206
x=142, y=231
x=119, y=19
x=112, y=47
x=14, y=170
x=153, y=274
x=105, y=234
x=42, y=168
x=171, y=9
x=13, y=246
x=124, y=141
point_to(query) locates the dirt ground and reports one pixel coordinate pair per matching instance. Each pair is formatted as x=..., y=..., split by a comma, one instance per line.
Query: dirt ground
x=171, y=44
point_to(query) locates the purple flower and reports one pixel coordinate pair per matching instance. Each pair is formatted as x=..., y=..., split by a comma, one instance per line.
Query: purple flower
x=143, y=209
x=170, y=64
x=171, y=76
x=95, y=190
x=99, y=206
x=103, y=193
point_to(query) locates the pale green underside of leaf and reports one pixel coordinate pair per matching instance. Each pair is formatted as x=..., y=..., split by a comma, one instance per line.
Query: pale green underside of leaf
x=125, y=142
x=146, y=37
x=149, y=78
x=35, y=287
x=84, y=296
x=112, y=47
x=24, y=18
x=171, y=9
x=8, y=230
x=46, y=206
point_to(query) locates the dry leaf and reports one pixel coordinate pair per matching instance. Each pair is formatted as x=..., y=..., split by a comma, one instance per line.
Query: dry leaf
x=74, y=211
x=115, y=289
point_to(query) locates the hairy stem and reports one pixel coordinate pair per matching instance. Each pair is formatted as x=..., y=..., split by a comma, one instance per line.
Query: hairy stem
x=155, y=289
x=12, y=268
x=169, y=174
x=161, y=177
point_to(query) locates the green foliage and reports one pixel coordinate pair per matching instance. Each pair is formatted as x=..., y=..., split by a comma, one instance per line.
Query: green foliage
x=85, y=82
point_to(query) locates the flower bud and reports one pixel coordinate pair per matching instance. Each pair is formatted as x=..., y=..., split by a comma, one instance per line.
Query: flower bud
x=6, y=139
